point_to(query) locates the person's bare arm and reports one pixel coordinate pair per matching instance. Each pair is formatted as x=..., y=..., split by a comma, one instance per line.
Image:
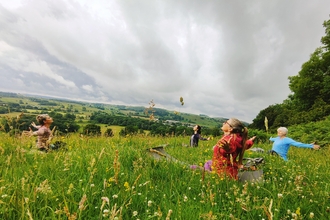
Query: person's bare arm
x=29, y=133
x=35, y=126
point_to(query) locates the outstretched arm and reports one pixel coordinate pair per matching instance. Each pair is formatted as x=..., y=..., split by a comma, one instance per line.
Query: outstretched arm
x=35, y=126
x=316, y=147
x=249, y=142
x=29, y=133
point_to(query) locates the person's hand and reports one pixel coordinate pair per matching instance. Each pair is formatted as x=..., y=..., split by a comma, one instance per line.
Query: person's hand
x=28, y=133
x=33, y=124
x=316, y=147
x=225, y=145
x=252, y=139
x=208, y=138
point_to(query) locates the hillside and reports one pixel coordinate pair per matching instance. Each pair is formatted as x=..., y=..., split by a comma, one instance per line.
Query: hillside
x=13, y=103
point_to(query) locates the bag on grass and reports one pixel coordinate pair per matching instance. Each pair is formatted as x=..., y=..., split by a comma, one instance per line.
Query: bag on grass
x=250, y=172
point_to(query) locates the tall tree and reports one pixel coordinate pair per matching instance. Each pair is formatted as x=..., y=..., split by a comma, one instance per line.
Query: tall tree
x=313, y=81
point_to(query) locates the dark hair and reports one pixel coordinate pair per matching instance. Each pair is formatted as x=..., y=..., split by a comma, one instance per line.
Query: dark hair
x=239, y=128
x=199, y=129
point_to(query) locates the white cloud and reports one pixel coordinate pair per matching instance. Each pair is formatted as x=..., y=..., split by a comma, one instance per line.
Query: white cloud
x=88, y=88
x=226, y=58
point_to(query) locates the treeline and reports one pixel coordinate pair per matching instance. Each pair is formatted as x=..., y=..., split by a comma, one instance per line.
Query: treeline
x=134, y=125
x=310, y=98
x=65, y=123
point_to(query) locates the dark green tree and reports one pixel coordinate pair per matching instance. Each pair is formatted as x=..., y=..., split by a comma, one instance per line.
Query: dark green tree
x=108, y=133
x=312, y=84
x=310, y=97
x=92, y=129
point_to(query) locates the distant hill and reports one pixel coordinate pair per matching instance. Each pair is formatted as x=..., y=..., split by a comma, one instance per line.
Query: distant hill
x=17, y=102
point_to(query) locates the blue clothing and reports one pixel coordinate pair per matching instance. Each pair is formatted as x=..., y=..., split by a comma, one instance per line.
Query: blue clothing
x=282, y=146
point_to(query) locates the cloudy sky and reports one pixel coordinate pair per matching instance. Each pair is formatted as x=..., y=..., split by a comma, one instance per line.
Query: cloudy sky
x=225, y=58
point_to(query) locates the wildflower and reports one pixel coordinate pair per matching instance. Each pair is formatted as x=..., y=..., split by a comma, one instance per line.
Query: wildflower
x=298, y=211
x=185, y=198
x=4, y=195
x=82, y=201
x=106, y=199
x=311, y=215
x=288, y=211
x=146, y=183
x=115, y=196
x=126, y=185
x=279, y=195
x=169, y=214
x=29, y=214
x=149, y=203
x=92, y=185
x=44, y=188
x=105, y=212
x=135, y=213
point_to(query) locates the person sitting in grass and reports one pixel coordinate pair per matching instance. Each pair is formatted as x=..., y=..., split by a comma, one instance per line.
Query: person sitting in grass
x=282, y=144
x=197, y=136
x=229, y=151
x=44, y=133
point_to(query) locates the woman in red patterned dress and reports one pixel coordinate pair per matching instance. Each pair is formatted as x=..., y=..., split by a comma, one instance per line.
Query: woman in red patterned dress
x=229, y=151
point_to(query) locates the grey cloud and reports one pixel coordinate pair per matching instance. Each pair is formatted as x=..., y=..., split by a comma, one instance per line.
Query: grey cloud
x=226, y=58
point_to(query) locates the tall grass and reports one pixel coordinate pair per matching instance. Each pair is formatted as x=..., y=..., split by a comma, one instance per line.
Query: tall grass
x=115, y=178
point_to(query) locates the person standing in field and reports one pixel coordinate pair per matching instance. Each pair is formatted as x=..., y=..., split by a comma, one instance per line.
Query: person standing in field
x=44, y=133
x=229, y=151
x=196, y=136
x=282, y=143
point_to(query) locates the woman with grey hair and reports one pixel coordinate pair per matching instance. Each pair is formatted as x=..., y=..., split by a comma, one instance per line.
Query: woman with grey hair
x=282, y=143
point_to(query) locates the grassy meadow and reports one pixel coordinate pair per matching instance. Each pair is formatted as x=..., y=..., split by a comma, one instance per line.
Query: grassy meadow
x=116, y=178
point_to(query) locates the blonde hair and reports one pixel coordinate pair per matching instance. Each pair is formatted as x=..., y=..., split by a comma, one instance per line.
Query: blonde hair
x=41, y=118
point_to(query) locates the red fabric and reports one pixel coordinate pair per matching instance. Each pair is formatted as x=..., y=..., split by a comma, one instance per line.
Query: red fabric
x=224, y=162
